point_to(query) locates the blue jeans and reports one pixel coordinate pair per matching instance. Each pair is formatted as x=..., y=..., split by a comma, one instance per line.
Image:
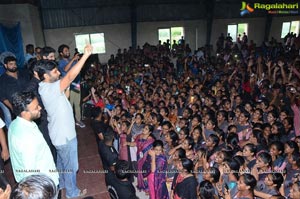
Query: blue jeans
x=7, y=115
x=67, y=165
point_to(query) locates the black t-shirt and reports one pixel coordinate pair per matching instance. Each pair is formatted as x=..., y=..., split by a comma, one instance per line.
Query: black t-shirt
x=119, y=189
x=180, y=189
x=9, y=85
x=108, y=154
x=98, y=127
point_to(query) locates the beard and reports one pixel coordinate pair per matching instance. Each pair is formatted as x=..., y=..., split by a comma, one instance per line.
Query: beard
x=12, y=70
x=66, y=56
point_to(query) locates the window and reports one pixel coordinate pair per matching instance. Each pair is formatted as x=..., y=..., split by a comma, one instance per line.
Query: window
x=237, y=29
x=232, y=29
x=173, y=33
x=288, y=27
x=164, y=34
x=95, y=39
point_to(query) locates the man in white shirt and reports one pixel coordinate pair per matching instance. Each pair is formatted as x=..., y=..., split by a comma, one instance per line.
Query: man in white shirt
x=29, y=152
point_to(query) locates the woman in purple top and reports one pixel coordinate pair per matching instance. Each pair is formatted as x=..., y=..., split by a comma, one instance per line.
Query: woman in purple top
x=156, y=166
x=143, y=142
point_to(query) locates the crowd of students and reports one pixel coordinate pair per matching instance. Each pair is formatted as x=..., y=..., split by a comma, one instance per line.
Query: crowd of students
x=199, y=124
x=202, y=124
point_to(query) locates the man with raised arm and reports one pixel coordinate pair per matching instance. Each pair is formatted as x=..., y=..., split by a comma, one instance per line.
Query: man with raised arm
x=61, y=121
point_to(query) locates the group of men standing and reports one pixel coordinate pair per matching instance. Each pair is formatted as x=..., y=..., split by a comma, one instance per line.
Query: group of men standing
x=43, y=132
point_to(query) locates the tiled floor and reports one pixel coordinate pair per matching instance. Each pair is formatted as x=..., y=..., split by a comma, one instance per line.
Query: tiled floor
x=89, y=175
x=90, y=166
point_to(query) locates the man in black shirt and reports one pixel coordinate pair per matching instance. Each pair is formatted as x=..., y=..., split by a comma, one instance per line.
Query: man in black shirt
x=108, y=153
x=118, y=184
x=12, y=81
x=98, y=126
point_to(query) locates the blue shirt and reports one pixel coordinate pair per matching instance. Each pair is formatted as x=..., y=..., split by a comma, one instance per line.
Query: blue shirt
x=61, y=67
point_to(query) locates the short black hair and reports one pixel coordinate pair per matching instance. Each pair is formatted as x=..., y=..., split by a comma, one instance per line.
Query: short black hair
x=29, y=47
x=44, y=67
x=122, y=169
x=215, y=174
x=187, y=164
x=47, y=50
x=266, y=158
x=206, y=190
x=96, y=111
x=9, y=59
x=61, y=48
x=158, y=143
x=249, y=180
x=277, y=179
x=35, y=187
x=21, y=100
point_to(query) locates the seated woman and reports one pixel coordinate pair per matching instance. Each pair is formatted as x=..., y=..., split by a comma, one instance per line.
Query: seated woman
x=172, y=166
x=246, y=185
x=293, y=171
x=171, y=140
x=276, y=151
x=243, y=127
x=249, y=152
x=257, y=138
x=187, y=145
x=185, y=179
x=196, y=135
x=221, y=156
x=212, y=175
x=183, y=133
x=288, y=124
x=200, y=163
x=212, y=146
x=261, y=169
x=229, y=177
x=289, y=148
x=273, y=183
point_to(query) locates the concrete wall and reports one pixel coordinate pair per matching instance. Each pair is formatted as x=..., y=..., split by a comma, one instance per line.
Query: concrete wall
x=148, y=31
x=256, y=28
x=277, y=26
x=116, y=36
x=119, y=35
x=28, y=16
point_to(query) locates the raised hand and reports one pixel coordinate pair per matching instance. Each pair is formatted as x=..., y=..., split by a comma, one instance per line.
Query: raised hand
x=93, y=90
x=151, y=153
x=88, y=49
